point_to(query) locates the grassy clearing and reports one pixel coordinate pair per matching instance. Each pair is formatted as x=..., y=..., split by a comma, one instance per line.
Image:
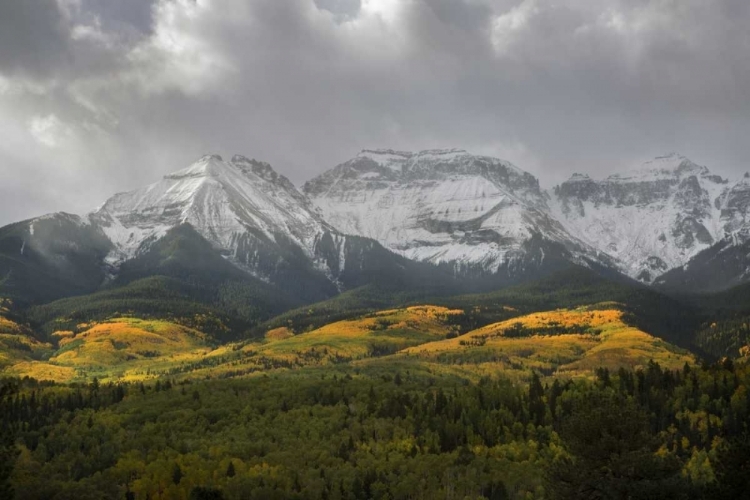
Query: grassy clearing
x=42, y=371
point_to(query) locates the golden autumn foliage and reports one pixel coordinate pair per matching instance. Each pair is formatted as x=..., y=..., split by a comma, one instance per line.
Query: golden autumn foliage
x=384, y=332
x=10, y=326
x=16, y=343
x=565, y=342
x=280, y=333
x=16, y=349
x=42, y=371
x=63, y=334
x=561, y=343
x=120, y=348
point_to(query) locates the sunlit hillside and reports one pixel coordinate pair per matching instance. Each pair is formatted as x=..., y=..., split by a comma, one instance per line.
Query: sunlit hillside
x=137, y=349
x=379, y=334
x=564, y=343
x=17, y=345
x=18, y=348
x=117, y=349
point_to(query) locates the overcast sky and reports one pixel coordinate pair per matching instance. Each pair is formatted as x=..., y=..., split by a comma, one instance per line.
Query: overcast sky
x=101, y=96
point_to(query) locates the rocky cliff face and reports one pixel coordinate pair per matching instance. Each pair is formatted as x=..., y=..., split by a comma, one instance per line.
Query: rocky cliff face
x=649, y=220
x=727, y=261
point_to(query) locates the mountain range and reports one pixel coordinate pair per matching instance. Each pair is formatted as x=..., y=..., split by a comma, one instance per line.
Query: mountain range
x=438, y=218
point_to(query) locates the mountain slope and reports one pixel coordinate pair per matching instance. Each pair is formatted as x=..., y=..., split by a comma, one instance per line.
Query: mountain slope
x=717, y=268
x=182, y=277
x=51, y=257
x=727, y=262
x=650, y=220
x=244, y=219
x=253, y=216
x=474, y=214
x=437, y=219
x=669, y=318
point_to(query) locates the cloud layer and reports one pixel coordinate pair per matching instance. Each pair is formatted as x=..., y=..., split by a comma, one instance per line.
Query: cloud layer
x=98, y=96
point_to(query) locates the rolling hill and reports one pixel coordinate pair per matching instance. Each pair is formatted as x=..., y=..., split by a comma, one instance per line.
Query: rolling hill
x=563, y=343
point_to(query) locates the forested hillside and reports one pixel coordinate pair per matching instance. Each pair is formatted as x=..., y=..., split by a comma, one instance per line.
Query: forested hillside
x=167, y=387
x=649, y=433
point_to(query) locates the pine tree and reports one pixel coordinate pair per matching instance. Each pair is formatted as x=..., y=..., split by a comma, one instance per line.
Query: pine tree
x=537, y=408
x=176, y=474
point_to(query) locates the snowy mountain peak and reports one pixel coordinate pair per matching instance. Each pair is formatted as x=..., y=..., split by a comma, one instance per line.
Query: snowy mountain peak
x=375, y=167
x=237, y=206
x=206, y=166
x=476, y=215
x=383, y=152
x=447, y=206
x=651, y=219
x=209, y=157
x=669, y=158
x=671, y=161
x=428, y=162
x=671, y=166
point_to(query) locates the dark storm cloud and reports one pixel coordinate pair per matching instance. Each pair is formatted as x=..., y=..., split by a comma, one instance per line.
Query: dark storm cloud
x=556, y=87
x=33, y=36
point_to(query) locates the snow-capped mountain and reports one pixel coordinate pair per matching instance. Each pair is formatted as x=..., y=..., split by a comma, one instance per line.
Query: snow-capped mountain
x=241, y=206
x=255, y=217
x=651, y=219
x=247, y=213
x=727, y=262
x=390, y=215
x=476, y=214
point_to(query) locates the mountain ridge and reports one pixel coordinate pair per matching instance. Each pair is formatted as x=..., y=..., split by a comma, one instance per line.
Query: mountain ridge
x=469, y=216
x=446, y=207
x=643, y=222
